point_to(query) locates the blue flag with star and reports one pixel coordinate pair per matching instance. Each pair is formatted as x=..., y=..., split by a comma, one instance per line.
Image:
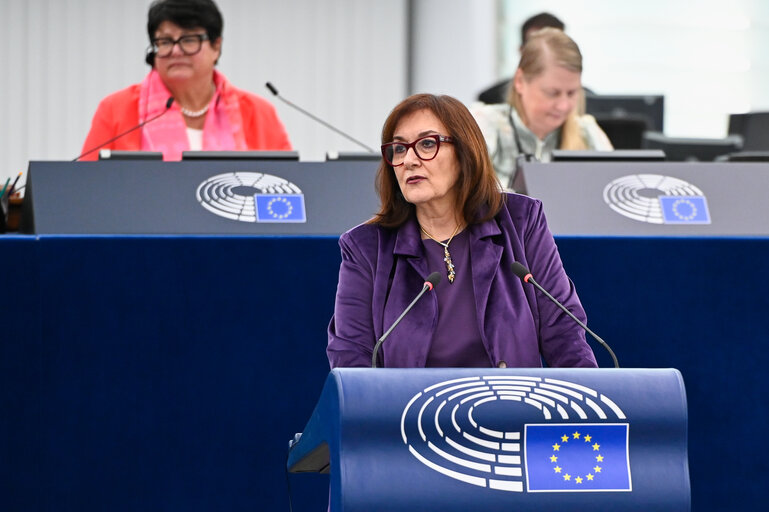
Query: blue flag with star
x=577, y=457
x=684, y=210
x=280, y=208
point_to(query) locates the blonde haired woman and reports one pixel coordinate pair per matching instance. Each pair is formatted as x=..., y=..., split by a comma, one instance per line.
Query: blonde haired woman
x=545, y=107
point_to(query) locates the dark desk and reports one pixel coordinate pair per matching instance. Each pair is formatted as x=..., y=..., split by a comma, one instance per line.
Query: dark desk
x=201, y=197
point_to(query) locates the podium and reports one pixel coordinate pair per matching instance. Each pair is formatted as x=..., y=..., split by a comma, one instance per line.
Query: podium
x=499, y=440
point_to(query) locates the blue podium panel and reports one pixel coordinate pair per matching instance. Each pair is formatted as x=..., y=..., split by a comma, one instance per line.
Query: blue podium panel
x=165, y=372
x=498, y=440
x=21, y=348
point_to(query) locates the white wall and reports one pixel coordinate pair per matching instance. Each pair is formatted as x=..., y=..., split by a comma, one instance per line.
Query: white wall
x=454, y=47
x=343, y=60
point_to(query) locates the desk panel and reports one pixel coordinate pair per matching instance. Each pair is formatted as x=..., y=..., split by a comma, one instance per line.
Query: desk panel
x=249, y=197
x=652, y=199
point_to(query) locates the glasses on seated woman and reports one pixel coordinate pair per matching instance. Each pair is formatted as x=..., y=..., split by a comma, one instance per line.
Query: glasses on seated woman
x=189, y=44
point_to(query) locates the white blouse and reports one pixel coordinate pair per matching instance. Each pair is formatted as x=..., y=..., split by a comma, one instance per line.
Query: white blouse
x=195, y=137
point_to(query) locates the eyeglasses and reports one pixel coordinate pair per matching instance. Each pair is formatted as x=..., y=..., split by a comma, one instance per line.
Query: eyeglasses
x=189, y=44
x=426, y=148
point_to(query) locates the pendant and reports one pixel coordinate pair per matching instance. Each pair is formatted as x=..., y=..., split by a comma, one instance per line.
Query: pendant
x=449, y=263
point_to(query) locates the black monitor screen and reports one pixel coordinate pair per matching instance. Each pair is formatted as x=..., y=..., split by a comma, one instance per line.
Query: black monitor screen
x=749, y=156
x=111, y=154
x=650, y=107
x=619, y=155
x=342, y=155
x=695, y=150
x=240, y=155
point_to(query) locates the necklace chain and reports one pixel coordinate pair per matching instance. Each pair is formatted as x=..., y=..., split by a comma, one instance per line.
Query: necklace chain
x=446, y=254
x=195, y=113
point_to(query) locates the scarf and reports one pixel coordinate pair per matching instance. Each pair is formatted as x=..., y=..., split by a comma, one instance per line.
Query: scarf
x=222, y=131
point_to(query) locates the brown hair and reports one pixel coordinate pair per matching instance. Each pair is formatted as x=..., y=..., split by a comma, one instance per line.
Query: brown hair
x=553, y=44
x=479, y=196
x=539, y=21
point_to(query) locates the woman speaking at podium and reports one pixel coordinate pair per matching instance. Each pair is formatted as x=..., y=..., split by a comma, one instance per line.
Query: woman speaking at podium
x=184, y=103
x=442, y=210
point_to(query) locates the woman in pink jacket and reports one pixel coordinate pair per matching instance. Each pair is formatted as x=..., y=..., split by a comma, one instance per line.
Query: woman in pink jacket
x=185, y=102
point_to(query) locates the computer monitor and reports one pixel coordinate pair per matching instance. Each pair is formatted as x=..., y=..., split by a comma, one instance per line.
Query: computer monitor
x=240, y=155
x=651, y=107
x=619, y=155
x=692, y=149
x=111, y=154
x=748, y=156
x=754, y=129
x=737, y=123
x=518, y=179
x=353, y=155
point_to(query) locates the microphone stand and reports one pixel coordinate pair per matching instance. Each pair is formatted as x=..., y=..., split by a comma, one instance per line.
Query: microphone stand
x=274, y=91
x=523, y=273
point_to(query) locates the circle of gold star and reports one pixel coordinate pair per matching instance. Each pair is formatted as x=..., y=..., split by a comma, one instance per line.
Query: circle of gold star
x=574, y=437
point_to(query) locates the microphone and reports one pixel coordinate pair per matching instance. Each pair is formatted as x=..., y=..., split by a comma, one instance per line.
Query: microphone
x=523, y=273
x=116, y=137
x=432, y=280
x=274, y=91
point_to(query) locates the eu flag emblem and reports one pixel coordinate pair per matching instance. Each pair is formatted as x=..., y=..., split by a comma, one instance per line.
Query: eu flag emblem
x=280, y=208
x=577, y=457
x=684, y=209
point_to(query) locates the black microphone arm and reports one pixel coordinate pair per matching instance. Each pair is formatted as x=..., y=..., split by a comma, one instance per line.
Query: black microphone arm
x=274, y=91
x=116, y=137
x=432, y=280
x=522, y=272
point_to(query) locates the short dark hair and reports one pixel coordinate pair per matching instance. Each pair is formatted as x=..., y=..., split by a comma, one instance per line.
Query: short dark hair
x=479, y=196
x=541, y=20
x=187, y=14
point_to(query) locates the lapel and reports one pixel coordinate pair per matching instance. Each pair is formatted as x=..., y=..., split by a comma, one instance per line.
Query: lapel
x=410, y=345
x=485, y=256
x=408, y=243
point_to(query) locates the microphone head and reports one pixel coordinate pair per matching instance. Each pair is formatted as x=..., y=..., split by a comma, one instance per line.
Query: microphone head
x=433, y=279
x=272, y=88
x=169, y=102
x=521, y=271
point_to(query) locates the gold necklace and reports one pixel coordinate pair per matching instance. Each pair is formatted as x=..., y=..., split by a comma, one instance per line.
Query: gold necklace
x=446, y=254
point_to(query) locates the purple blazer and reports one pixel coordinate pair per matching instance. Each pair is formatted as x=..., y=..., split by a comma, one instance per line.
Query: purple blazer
x=383, y=270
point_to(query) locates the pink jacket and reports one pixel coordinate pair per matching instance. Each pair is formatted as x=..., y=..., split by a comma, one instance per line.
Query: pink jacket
x=119, y=112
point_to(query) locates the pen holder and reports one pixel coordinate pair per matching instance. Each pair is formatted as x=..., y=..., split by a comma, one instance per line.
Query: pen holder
x=10, y=213
x=13, y=219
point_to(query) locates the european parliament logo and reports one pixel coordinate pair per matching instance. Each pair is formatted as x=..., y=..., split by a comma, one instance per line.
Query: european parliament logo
x=252, y=197
x=520, y=434
x=577, y=458
x=280, y=208
x=657, y=199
